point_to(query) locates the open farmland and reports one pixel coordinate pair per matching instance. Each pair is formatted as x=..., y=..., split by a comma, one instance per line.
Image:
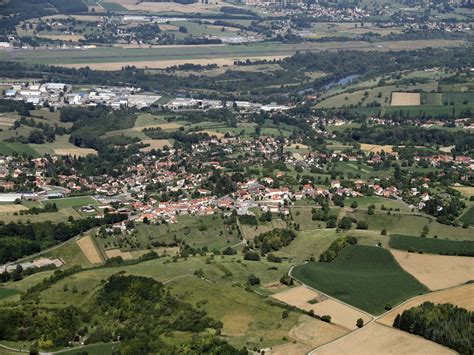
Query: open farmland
x=366, y=277
x=432, y=246
x=461, y=296
x=405, y=99
x=306, y=335
x=155, y=144
x=75, y=152
x=74, y=201
x=107, y=56
x=307, y=299
x=378, y=339
x=89, y=249
x=437, y=271
x=468, y=216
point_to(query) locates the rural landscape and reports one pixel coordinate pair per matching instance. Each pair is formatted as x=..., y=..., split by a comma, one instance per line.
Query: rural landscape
x=236, y=177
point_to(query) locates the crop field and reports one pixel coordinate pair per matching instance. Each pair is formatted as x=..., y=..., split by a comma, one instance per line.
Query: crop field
x=7, y=292
x=405, y=99
x=460, y=296
x=428, y=109
x=378, y=339
x=250, y=232
x=155, y=144
x=89, y=249
x=10, y=148
x=431, y=245
x=437, y=271
x=70, y=253
x=466, y=191
x=307, y=299
x=366, y=277
x=468, y=216
x=376, y=148
x=75, y=152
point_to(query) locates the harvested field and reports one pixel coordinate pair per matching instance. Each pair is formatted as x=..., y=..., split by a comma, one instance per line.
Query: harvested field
x=341, y=314
x=89, y=249
x=12, y=208
x=155, y=144
x=376, y=148
x=436, y=271
x=65, y=38
x=461, y=296
x=77, y=152
x=213, y=133
x=170, y=7
x=160, y=251
x=162, y=64
x=308, y=334
x=227, y=28
x=163, y=126
x=378, y=339
x=406, y=99
x=125, y=255
x=169, y=28
x=465, y=190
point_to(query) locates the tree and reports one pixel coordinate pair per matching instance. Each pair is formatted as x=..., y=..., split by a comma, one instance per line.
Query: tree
x=251, y=255
x=345, y=223
x=354, y=204
x=360, y=323
x=253, y=280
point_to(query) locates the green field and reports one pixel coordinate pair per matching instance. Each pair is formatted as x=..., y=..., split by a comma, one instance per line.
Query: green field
x=366, y=277
x=10, y=148
x=431, y=245
x=398, y=223
x=468, y=217
x=74, y=201
x=111, y=54
x=7, y=292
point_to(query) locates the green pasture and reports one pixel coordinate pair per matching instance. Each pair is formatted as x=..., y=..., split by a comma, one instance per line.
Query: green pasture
x=431, y=245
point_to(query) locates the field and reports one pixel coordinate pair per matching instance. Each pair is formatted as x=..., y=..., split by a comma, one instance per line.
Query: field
x=248, y=319
x=431, y=245
x=303, y=215
x=377, y=201
x=437, y=271
x=376, y=148
x=468, y=216
x=61, y=216
x=306, y=335
x=155, y=144
x=211, y=54
x=397, y=223
x=405, y=99
x=12, y=208
x=340, y=313
x=459, y=296
x=378, y=339
x=250, y=232
x=89, y=249
x=366, y=277
x=75, y=152
x=465, y=190
x=10, y=148
x=125, y=255
x=7, y=292
x=74, y=201
x=196, y=231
